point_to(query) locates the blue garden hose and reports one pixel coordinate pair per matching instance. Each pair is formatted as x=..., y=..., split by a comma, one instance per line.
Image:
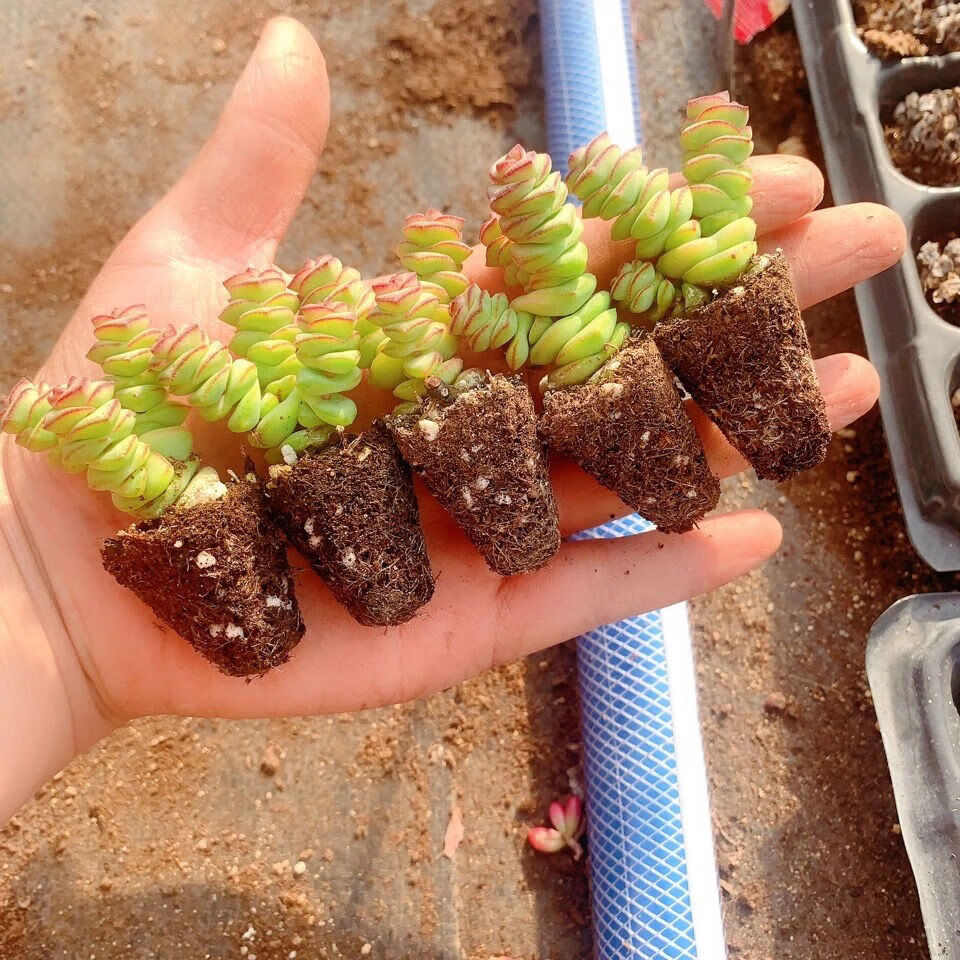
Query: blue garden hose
x=652, y=867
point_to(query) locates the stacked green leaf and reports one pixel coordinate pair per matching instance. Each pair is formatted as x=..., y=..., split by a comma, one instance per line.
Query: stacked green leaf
x=690, y=240
x=87, y=430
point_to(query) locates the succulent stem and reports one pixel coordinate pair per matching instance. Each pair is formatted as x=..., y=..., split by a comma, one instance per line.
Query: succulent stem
x=432, y=248
x=90, y=431
x=419, y=342
x=690, y=239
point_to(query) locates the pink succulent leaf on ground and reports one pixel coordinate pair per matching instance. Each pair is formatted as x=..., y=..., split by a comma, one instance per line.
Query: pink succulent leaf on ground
x=750, y=16
x=568, y=826
x=546, y=840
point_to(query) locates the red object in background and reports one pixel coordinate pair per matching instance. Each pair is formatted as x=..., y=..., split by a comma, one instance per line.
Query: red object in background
x=750, y=16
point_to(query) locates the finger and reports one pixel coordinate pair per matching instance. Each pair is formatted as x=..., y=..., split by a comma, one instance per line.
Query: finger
x=784, y=188
x=593, y=582
x=850, y=388
x=832, y=250
x=238, y=196
x=490, y=620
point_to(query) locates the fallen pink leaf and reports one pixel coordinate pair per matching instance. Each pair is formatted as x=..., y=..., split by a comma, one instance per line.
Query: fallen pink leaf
x=453, y=836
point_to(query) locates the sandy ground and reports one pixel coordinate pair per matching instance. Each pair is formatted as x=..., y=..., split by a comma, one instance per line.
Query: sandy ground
x=182, y=837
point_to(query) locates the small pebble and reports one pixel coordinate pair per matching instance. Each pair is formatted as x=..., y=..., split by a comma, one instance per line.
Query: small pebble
x=218, y=45
x=299, y=868
x=430, y=430
x=776, y=702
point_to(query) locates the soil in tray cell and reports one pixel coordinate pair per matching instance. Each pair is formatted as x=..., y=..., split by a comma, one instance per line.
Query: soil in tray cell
x=923, y=136
x=938, y=263
x=908, y=28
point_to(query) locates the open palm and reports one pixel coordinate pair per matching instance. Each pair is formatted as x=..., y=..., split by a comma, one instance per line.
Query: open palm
x=230, y=211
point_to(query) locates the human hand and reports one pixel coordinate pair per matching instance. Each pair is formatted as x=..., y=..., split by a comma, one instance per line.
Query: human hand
x=100, y=647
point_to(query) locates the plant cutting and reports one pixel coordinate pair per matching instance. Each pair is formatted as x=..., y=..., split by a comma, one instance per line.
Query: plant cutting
x=204, y=556
x=348, y=506
x=568, y=826
x=609, y=401
x=470, y=435
x=742, y=350
x=726, y=320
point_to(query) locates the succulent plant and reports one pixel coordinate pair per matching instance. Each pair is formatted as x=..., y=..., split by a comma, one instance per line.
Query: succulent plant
x=87, y=430
x=497, y=248
x=419, y=343
x=690, y=239
x=535, y=236
x=568, y=821
x=544, y=232
x=326, y=278
x=309, y=340
x=124, y=350
x=263, y=310
x=432, y=248
x=214, y=382
x=300, y=345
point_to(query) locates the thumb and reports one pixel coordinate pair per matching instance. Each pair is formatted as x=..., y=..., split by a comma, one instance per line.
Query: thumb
x=237, y=198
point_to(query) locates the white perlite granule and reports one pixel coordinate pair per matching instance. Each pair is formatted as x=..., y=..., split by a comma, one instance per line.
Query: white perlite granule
x=612, y=388
x=940, y=270
x=929, y=125
x=205, y=560
x=927, y=20
x=430, y=429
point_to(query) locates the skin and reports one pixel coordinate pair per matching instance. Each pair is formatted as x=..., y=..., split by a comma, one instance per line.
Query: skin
x=79, y=655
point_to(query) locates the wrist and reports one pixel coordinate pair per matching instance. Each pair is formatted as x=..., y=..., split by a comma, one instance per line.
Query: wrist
x=49, y=712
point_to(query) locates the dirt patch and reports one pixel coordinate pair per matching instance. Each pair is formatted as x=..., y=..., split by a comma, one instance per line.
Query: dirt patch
x=478, y=451
x=923, y=136
x=938, y=263
x=351, y=511
x=420, y=68
x=908, y=28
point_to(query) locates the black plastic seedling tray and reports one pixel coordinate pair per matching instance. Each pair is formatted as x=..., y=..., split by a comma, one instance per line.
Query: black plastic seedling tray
x=916, y=351
x=913, y=663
